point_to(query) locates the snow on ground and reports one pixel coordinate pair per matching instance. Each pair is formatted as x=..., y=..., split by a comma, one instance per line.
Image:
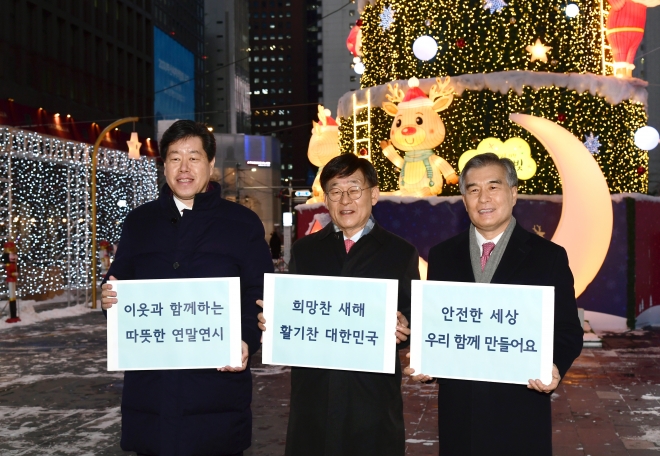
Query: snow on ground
x=29, y=316
x=602, y=322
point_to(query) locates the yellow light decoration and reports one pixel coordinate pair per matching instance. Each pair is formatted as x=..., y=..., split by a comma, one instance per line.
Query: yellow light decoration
x=474, y=41
x=515, y=149
x=539, y=51
x=585, y=226
x=134, y=146
x=467, y=126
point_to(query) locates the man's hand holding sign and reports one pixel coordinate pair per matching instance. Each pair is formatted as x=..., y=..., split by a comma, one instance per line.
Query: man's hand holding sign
x=497, y=325
x=338, y=319
x=176, y=310
x=155, y=324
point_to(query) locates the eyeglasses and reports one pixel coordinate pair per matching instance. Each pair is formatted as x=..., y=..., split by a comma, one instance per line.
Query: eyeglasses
x=354, y=193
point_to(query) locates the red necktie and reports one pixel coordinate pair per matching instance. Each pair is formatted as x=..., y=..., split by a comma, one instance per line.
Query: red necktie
x=487, y=249
x=348, y=243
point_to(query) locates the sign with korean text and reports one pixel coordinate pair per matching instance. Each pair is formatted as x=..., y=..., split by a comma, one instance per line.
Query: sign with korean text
x=175, y=324
x=485, y=332
x=330, y=322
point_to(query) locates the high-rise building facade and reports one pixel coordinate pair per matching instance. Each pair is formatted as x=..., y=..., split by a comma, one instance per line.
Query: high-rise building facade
x=183, y=22
x=92, y=60
x=227, y=81
x=647, y=67
x=95, y=61
x=339, y=76
x=286, y=78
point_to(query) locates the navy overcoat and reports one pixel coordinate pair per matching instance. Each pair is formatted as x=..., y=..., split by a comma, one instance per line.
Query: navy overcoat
x=503, y=419
x=199, y=412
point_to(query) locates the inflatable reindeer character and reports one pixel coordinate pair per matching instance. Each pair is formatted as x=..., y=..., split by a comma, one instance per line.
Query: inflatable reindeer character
x=416, y=130
x=323, y=147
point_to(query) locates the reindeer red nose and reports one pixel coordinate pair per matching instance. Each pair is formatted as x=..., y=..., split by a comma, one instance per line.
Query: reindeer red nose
x=409, y=131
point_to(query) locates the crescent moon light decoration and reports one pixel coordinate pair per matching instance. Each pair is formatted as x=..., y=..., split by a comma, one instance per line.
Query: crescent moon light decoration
x=585, y=226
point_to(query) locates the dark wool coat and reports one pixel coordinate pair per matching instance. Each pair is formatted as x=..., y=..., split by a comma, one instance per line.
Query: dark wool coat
x=343, y=413
x=202, y=411
x=484, y=418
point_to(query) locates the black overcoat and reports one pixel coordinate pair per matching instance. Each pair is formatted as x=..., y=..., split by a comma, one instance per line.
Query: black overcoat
x=202, y=411
x=484, y=418
x=343, y=413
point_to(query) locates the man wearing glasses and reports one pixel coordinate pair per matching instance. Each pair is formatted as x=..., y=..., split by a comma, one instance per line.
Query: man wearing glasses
x=344, y=413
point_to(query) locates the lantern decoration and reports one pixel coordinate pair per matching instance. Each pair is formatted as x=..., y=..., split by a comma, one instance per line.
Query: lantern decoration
x=134, y=146
x=104, y=254
x=323, y=147
x=591, y=143
x=494, y=6
x=354, y=40
x=625, y=30
x=425, y=48
x=538, y=51
x=646, y=138
x=572, y=10
x=9, y=257
x=358, y=66
x=387, y=17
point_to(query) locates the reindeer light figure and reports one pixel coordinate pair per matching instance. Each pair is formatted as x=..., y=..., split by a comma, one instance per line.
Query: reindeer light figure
x=323, y=147
x=416, y=130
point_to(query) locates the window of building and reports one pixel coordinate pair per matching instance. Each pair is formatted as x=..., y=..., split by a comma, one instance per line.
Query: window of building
x=289, y=166
x=256, y=80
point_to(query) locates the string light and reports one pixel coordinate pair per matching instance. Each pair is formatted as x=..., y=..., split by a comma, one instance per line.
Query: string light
x=51, y=205
x=472, y=40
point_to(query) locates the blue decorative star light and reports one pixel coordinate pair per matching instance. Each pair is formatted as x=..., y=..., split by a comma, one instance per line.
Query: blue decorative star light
x=494, y=5
x=592, y=143
x=387, y=17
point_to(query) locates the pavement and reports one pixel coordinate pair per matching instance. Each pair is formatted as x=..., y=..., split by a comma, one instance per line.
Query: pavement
x=56, y=397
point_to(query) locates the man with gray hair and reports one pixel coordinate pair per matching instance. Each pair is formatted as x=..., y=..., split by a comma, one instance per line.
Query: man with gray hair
x=486, y=418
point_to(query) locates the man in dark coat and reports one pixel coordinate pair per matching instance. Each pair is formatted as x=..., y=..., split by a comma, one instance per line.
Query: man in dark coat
x=344, y=413
x=484, y=418
x=191, y=232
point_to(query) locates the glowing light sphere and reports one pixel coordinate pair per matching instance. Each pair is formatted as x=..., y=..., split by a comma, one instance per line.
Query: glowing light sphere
x=572, y=10
x=425, y=48
x=359, y=68
x=647, y=138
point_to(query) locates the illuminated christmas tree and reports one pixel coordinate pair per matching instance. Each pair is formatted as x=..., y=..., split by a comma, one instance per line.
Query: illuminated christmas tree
x=547, y=58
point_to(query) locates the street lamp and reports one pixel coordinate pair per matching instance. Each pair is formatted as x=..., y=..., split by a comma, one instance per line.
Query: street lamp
x=93, y=195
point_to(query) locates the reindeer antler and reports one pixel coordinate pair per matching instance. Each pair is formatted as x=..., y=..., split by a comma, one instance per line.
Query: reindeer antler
x=395, y=94
x=441, y=89
x=321, y=114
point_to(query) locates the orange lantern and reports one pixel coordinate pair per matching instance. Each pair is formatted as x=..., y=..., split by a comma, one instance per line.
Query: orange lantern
x=354, y=40
x=625, y=30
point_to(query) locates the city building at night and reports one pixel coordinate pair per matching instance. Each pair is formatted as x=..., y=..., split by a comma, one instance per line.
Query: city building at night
x=286, y=78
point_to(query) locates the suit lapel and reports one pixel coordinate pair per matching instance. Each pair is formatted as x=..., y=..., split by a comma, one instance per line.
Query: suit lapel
x=516, y=251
